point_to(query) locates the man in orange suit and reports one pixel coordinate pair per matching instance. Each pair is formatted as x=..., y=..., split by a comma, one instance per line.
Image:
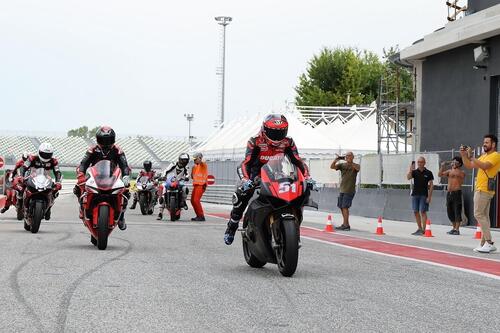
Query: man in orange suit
x=199, y=175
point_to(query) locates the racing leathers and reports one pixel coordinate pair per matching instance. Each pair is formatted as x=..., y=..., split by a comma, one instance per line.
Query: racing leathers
x=151, y=175
x=93, y=155
x=181, y=173
x=35, y=162
x=259, y=151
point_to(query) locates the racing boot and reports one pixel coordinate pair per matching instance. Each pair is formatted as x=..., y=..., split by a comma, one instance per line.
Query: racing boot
x=160, y=216
x=47, y=214
x=232, y=226
x=6, y=208
x=134, y=203
x=121, y=222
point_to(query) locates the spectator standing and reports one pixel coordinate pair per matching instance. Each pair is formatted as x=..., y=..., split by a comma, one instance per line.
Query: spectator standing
x=348, y=172
x=421, y=194
x=454, y=197
x=199, y=175
x=488, y=165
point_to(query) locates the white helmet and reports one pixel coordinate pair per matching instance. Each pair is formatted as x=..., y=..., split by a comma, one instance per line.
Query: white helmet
x=45, y=152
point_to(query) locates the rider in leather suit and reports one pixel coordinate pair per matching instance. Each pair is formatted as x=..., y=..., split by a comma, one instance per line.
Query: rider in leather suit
x=271, y=140
x=182, y=172
x=105, y=149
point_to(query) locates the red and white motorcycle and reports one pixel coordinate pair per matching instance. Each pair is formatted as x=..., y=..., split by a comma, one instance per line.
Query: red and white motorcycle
x=102, y=201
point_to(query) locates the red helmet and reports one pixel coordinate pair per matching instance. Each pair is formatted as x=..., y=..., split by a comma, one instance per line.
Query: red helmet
x=105, y=137
x=275, y=128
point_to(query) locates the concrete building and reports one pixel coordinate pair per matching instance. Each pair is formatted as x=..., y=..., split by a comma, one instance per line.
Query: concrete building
x=457, y=70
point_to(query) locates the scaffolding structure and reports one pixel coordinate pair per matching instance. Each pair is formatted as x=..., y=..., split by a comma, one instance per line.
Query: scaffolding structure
x=395, y=120
x=315, y=115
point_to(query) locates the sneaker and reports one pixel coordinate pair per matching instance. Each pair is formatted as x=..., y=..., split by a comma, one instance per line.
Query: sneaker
x=343, y=227
x=198, y=219
x=486, y=248
x=47, y=214
x=4, y=210
x=230, y=231
x=453, y=232
x=457, y=232
x=419, y=232
x=160, y=216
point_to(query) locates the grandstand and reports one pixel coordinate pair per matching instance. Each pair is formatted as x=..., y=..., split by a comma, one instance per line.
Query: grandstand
x=70, y=150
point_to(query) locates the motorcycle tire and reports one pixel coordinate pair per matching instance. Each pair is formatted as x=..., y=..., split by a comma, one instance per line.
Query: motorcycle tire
x=172, y=208
x=251, y=259
x=19, y=209
x=27, y=227
x=37, y=217
x=143, y=204
x=93, y=240
x=287, y=253
x=102, y=227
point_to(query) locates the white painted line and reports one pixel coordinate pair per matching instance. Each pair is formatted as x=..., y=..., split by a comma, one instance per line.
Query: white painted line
x=406, y=258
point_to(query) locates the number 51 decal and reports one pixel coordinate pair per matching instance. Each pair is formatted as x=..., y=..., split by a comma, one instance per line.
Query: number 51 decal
x=287, y=187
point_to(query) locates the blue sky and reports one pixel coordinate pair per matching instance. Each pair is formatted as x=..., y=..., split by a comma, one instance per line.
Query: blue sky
x=140, y=65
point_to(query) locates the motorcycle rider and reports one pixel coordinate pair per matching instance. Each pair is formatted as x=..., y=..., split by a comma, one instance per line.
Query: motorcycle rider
x=7, y=188
x=148, y=172
x=180, y=170
x=44, y=159
x=271, y=140
x=12, y=182
x=105, y=149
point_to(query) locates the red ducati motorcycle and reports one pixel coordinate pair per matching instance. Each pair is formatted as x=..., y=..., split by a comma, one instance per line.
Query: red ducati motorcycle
x=102, y=201
x=38, y=198
x=271, y=225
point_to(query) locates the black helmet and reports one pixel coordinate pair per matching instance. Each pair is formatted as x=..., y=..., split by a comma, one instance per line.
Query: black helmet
x=275, y=128
x=147, y=165
x=105, y=137
x=183, y=160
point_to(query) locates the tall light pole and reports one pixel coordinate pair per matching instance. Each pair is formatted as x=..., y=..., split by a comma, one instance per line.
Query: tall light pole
x=223, y=21
x=189, y=117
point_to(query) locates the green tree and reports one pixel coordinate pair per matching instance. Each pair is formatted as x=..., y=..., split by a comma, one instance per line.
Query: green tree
x=83, y=132
x=335, y=76
x=343, y=76
x=398, y=79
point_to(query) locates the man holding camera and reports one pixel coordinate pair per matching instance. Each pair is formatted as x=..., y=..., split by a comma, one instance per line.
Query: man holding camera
x=421, y=194
x=488, y=165
x=348, y=171
x=454, y=199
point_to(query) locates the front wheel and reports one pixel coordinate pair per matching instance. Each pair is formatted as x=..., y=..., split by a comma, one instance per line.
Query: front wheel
x=102, y=227
x=250, y=258
x=37, y=217
x=287, y=252
x=172, y=208
x=143, y=204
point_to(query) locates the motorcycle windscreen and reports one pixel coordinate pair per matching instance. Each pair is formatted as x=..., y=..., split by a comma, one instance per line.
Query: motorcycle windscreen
x=105, y=174
x=283, y=179
x=143, y=180
x=40, y=178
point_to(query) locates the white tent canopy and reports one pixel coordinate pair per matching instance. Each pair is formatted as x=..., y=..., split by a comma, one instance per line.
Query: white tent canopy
x=357, y=135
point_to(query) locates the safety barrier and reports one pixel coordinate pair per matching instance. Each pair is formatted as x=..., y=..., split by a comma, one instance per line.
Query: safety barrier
x=219, y=194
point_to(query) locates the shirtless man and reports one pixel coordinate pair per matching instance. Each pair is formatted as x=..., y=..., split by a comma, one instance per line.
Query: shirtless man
x=456, y=178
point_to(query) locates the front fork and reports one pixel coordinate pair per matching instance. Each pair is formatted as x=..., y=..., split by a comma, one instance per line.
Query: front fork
x=276, y=240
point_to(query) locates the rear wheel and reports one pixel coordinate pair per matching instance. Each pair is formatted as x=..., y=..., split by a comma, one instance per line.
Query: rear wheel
x=251, y=259
x=37, y=216
x=172, y=208
x=287, y=252
x=102, y=227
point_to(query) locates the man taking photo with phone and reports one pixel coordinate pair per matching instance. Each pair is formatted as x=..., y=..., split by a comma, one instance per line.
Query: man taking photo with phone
x=487, y=165
x=348, y=171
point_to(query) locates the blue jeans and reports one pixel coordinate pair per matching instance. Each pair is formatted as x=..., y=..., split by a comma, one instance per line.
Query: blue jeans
x=419, y=203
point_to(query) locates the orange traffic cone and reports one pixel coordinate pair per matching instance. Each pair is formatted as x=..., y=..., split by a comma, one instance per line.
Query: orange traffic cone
x=428, y=231
x=479, y=232
x=329, y=225
x=380, y=229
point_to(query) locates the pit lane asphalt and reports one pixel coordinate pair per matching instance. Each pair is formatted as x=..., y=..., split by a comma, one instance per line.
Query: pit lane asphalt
x=179, y=276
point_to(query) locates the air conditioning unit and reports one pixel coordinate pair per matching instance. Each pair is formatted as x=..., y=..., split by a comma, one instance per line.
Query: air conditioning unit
x=480, y=54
